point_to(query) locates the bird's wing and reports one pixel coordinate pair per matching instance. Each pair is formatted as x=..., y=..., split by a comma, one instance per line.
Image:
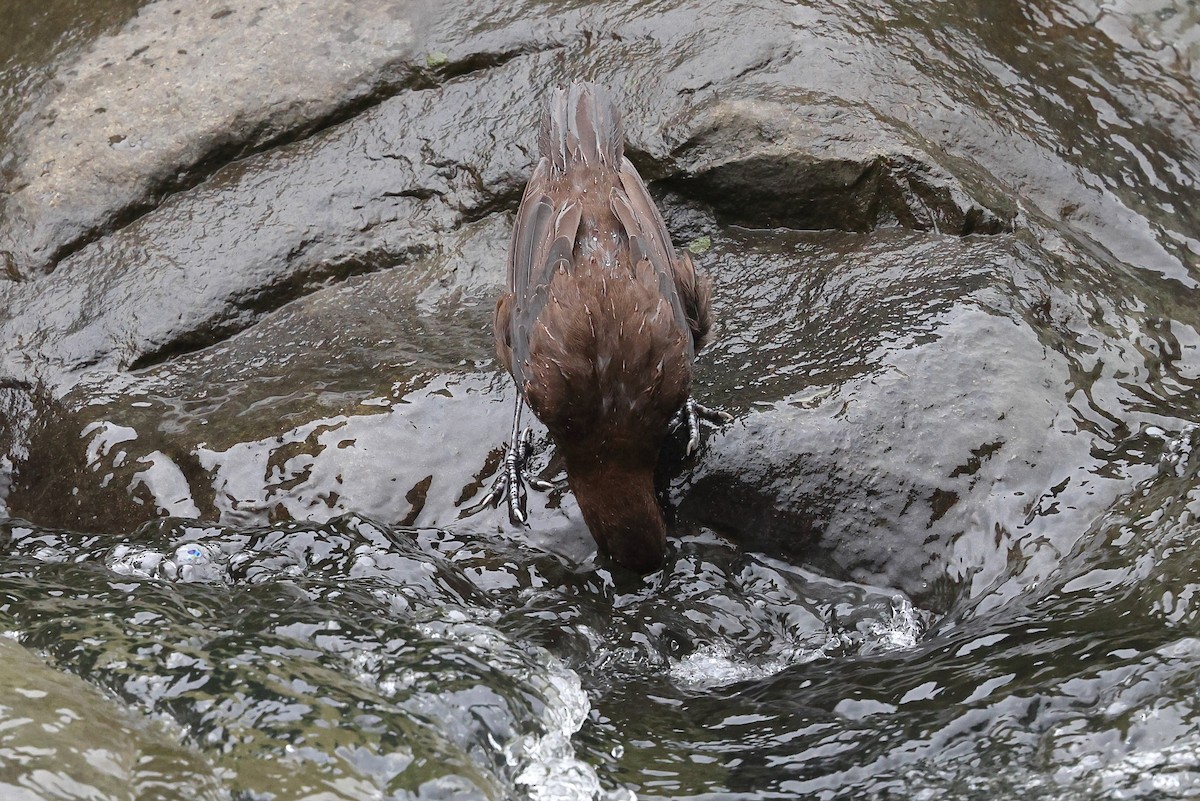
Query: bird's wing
x=690, y=292
x=543, y=237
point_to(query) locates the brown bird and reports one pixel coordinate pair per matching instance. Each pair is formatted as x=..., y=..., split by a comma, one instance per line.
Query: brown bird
x=599, y=327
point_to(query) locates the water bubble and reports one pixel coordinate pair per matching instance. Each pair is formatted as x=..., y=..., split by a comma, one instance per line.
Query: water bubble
x=192, y=554
x=137, y=561
x=193, y=561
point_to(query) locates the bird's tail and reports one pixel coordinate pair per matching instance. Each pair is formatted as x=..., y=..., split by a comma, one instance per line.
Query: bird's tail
x=583, y=124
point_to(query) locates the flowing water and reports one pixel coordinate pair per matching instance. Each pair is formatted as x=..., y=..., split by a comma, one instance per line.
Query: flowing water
x=948, y=549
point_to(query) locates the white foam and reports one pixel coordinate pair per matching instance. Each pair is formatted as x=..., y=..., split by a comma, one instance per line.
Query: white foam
x=134, y=560
x=545, y=764
x=897, y=632
x=1177, y=453
x=191, y=561
x=715, y=665
x=551, y=769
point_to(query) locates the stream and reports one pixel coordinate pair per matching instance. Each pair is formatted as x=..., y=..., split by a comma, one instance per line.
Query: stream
x=948, y=548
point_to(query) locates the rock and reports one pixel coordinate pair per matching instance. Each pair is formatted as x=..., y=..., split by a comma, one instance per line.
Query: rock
x=160, y=441
x=819, y=163
x=902, y=419
x=178, y=92
x=263, y=231
x=276, y=306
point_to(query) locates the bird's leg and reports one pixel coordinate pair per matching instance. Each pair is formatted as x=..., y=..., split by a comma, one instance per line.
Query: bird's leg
x=510, y=484
x=693, y=413
x=512, y=487
x=514, y=463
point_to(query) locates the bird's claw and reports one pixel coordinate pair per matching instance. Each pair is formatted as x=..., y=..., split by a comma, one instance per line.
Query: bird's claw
x=693, y=413
x=511, y=484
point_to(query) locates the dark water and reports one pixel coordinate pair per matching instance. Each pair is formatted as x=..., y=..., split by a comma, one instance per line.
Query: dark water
x=364, y=659
x=947, y=549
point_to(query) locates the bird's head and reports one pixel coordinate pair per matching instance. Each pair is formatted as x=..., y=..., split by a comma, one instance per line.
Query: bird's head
x=619, y=505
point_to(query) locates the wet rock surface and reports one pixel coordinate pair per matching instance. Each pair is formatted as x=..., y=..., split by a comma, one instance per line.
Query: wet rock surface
x=227, y=78
x=816, y=163
x=249, y=260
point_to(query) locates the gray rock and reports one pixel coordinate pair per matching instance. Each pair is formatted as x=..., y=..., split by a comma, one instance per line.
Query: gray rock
x=818, y=163
x=257, y=285
x=179, y=91
x=263, y=231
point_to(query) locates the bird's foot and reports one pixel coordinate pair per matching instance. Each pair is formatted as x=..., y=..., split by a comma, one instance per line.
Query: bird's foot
x=693, y=413
x=510, y=484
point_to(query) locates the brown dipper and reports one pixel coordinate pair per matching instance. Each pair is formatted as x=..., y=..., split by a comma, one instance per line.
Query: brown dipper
x=599, y=327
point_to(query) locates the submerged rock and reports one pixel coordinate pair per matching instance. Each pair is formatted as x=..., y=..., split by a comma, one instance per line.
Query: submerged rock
x=276, y=306
x=249, y=302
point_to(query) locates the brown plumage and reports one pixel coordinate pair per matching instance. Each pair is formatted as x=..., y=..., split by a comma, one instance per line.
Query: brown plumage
x=601, y=322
